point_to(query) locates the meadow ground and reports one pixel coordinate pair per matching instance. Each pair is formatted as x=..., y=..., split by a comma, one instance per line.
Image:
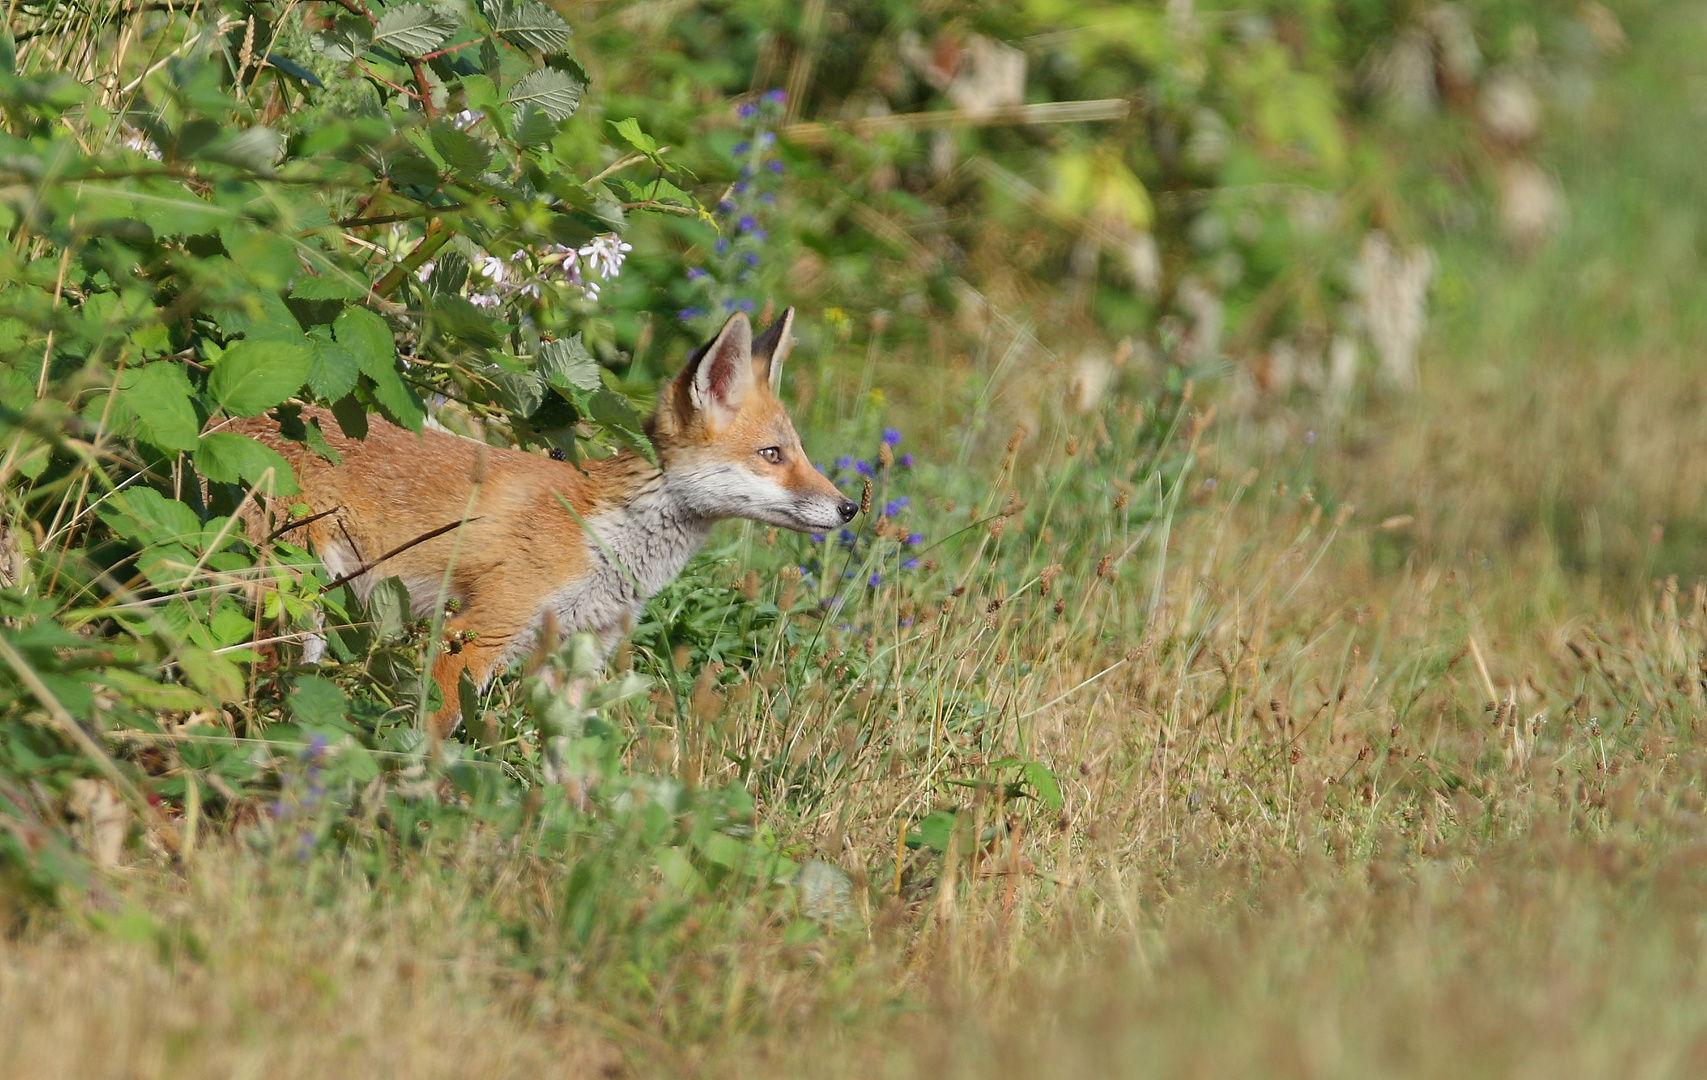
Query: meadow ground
x=1377, y=746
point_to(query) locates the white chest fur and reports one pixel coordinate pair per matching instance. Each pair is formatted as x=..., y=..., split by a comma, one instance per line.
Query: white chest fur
x=634, y=550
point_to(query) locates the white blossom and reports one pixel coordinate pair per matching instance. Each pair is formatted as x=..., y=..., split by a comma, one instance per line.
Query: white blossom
x=425, y=272
x=466, y=119
x=606, y=254
x=492, y=267
x=484, y=300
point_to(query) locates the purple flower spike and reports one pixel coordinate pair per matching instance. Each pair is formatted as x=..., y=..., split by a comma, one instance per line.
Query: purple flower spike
x=893, y=507
x=746, y=109
x=874, y=580
x=689, y=313
x=863, y=467
x=891, y=436
x=746, y=224
x=910, y=564
x=740, y=148
x=774, y=166
x=817, y=538
x=751, y=259
x=915, y=539
x=844, y=462
x=776, y=97
x=740, y=187
x=744, y=305
x=695, y=273
x=905, y=461
x=722, y=245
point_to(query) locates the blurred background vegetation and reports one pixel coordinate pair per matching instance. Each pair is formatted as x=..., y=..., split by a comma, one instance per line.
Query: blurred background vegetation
x=1274, y=638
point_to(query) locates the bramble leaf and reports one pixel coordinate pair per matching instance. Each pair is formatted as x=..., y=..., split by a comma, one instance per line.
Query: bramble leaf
x=227, y=457
x=253, y=376
x=414, y=29
x=531, y=24
x=554, y=93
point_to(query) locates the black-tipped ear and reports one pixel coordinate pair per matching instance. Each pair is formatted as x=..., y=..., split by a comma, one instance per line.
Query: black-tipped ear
x=723, y=370
x=771, y=348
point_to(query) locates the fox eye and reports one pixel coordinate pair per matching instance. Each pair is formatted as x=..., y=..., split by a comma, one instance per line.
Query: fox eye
x=772, y=454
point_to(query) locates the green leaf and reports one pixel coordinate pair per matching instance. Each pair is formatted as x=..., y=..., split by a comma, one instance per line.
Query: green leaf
x=307, y=286
x=389, y=608
x=533, y=127
x=1043, y=782
x=148, y=517
x=554, y=93
x=630, y=131
x=160, y=396
x=335, y=368
x=934, y=831
x=259, y=315
x=613, y=413
x=226, y=457
x=414, y=29
x=519, y=392
x=367, y=336
x=213, y=675
x=532, y=25
x=253, y=376
x=460, y=149
x=344, y=40
x=318, y=701
x=568, y=363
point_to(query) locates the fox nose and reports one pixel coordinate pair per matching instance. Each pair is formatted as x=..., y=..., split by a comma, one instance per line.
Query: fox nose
x=848, y=510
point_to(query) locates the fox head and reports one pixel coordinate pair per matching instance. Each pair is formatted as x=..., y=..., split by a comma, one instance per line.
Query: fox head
x=726, y=444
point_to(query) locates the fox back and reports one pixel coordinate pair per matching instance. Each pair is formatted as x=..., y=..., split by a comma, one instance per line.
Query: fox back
x=519, y=540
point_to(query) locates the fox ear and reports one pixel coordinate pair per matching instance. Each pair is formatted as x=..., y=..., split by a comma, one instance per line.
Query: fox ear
x=771, y=348
x=723, y=372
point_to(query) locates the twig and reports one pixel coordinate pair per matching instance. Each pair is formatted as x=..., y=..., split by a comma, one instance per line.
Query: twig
x=398, y=550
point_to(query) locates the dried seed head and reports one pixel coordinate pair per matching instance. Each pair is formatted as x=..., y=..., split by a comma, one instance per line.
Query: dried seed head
x=928, y=565
x=882, y=527
x=994, y=605
x=1103, y=564
x=865, y=497
x=1120, y=501
x=770, y=536
x=1343, y=513
x=1046, y=577
x=1016, y=438
x=1007, y=463
x=995, y=526
x=789, y=573
x=1060, y=605
x=1072, y=446
x=750, y=585
x=1185, y=391
x=885, y=456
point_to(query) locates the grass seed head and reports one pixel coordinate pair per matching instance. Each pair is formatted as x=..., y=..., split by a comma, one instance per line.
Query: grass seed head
x=865, y=497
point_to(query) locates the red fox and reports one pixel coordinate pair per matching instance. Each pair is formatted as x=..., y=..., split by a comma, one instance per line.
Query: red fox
x=513, y=556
